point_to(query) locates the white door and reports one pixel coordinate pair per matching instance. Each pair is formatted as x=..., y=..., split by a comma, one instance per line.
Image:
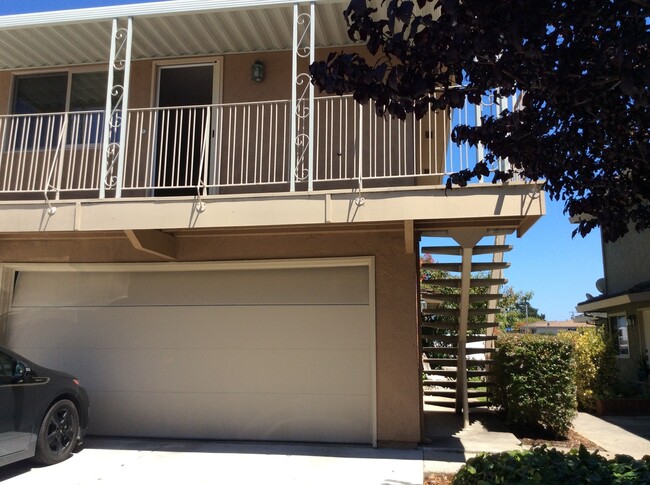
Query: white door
x=242, y=354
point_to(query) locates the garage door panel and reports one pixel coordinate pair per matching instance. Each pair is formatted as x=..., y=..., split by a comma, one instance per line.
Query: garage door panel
x=224, y=370
x=241, y=287
x=193, y=327
x=236, y=417
x=281, y=354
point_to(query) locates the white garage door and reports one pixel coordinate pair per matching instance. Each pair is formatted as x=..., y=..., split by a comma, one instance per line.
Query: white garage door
x=257, y=353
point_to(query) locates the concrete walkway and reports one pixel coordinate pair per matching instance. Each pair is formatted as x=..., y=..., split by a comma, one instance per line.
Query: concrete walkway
x=617, y=435
x=448, y=445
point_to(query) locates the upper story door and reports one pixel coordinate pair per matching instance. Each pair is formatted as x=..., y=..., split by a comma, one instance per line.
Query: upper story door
x=185, y=92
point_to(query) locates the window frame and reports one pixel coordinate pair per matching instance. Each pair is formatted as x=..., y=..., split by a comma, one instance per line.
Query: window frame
x=69, y=72
x=613, y=319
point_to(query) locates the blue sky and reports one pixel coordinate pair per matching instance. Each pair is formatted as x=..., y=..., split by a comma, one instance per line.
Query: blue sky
x=8, y=7
x=557, y=268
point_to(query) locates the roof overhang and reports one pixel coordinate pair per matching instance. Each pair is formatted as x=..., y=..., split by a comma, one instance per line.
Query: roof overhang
x=604, y=303
x=174, y=28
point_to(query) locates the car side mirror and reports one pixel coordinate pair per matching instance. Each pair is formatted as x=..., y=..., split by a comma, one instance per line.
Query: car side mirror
x=20, y=372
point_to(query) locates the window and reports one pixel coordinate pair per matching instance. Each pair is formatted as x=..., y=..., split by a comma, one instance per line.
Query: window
x=7, y=365
x=81, y=93
x=618, y=325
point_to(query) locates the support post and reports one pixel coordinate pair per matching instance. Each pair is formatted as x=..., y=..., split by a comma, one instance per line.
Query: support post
x=312, y=58
x=294, y=100
x=125, y=107
x=462, y=400
x=115, y=113
x=106, y=139
x=302, y=99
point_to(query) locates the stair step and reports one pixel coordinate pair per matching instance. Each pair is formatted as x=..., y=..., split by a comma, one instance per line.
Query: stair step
x=442, y=404
x=454, y=311
x=458, y=251
x=452, y=373
x=452, y=404
x=456, y=282
x=452, y=384
x=454, y=350
x=458, y=267
x=448, y=361
x=431, y=297
x=454, y=325
x=453, y=339
x=485, y=297
x=440, y=361
x=452, y=394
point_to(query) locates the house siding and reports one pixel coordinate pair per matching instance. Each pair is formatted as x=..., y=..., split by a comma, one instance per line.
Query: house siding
x=627, y=261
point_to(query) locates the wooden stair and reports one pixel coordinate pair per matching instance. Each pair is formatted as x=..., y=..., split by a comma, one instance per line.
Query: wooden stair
x=441, y=296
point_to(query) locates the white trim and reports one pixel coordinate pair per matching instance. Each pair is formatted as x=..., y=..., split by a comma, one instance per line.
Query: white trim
x=8, y=271
x=180, y=62
x=138, y=10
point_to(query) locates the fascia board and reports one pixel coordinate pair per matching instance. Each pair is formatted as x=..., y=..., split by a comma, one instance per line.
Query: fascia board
x=619, y=300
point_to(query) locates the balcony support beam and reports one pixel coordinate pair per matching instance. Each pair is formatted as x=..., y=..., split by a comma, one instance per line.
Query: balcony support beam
x=157, y=243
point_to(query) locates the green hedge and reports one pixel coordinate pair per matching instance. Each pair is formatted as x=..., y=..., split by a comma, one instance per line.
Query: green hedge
x=535, y=382
x=549, y=466
x=596, y=370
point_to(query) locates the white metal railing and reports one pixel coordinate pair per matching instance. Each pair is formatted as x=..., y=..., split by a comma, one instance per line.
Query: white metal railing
x=240, y=147
x=50, y=152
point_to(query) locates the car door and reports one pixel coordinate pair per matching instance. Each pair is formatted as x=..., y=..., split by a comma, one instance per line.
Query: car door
x=16, y=408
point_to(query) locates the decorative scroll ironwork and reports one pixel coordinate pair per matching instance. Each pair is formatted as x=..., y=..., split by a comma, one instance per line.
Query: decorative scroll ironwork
x=117, y=93
x=302, y=123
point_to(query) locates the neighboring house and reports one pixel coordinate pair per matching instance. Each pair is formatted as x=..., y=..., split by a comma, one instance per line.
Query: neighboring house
x=543, y=327
x=232, y=256
x=625, y=300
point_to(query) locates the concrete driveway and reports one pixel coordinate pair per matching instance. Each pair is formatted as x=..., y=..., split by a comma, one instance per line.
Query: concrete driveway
x=120, y=461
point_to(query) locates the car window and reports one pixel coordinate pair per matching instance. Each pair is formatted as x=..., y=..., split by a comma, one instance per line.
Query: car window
x=7, y=365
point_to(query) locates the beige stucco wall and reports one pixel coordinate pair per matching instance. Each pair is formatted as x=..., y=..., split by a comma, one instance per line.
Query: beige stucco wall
x=627, y=261
x=398, y=380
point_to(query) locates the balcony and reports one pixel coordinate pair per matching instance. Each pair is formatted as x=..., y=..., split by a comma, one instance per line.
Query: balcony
x=239, y=148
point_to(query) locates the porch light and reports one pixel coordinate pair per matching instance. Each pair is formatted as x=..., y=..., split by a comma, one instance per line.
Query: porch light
x=258, y=72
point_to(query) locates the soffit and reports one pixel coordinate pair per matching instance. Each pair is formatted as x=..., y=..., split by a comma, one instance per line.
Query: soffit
x=212, y=32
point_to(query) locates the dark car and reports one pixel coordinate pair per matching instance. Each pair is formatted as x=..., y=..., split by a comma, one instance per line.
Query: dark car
x=43, y=412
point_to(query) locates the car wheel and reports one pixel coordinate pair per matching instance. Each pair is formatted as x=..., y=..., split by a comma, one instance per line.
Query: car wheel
x=58, y=434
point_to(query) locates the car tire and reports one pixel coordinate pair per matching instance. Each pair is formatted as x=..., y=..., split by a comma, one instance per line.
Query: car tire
x=58, y=433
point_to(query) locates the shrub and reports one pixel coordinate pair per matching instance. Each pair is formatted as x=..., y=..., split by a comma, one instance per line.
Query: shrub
x=596, y=370
x=535, y=382
x=549, y=466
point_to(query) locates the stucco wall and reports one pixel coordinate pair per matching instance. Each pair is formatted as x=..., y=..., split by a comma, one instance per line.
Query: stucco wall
x=627, y=261
x=398, y=393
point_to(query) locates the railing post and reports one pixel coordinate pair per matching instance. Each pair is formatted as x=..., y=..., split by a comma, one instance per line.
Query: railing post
x=301, y=136
x=312, y=58
x=294, y=101
x=116, y=112
x=125, y=106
